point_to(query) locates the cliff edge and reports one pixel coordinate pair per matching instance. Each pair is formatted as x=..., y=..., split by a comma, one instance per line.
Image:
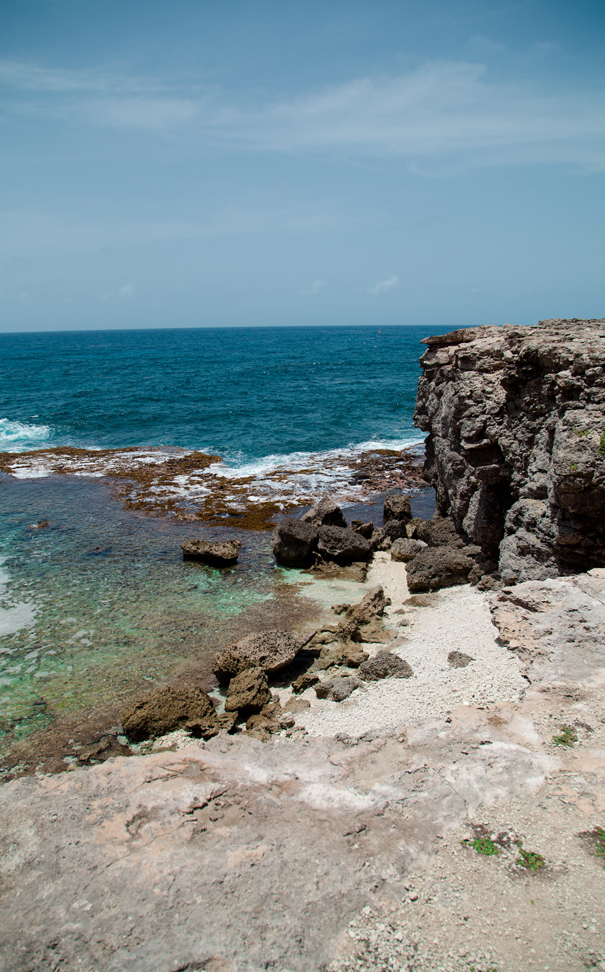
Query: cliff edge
x=516, y=445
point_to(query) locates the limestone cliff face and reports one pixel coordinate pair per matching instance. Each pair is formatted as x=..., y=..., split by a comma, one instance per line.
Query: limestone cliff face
x=516, y=446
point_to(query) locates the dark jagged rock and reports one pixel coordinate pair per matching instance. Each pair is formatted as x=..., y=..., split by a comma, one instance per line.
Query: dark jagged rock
x=248, y=692
x=439, y=532
x=342, y=546
x=392, y=530
x=269, y=650
x=365, y=529
x=384, y=665
x=516, y=450
x=436, y=567
x=167, y=709
x=215, y=554
x=293, y=542
x=404, y=550
x=325, y=513
x=397, y=507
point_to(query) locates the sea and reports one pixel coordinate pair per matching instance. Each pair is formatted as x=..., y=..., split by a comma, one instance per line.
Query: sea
x=96, y=603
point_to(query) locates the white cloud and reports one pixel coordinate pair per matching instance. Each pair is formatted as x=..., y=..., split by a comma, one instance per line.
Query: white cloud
x=312, y=288
x=126, y=291
x=384, y=286
x=443, y=115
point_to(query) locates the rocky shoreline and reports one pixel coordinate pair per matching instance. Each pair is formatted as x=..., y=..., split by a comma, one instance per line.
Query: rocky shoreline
x=413, y=777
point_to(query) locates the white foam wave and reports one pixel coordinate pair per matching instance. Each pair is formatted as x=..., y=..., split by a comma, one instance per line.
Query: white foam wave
x=296, y=461
x=21, y=436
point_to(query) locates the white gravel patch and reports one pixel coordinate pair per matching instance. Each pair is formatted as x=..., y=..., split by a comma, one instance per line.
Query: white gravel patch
x=457, y=619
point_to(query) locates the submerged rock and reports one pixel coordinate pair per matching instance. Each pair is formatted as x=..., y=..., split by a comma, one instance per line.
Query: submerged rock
x=384, y=665
x=269, y=650
x=325, y=513
x=293, y=542
x=214, y=553
x=248, y=692
x=167, y=709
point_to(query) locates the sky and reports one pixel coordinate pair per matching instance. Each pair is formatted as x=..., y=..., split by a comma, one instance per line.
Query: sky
x=196, y=163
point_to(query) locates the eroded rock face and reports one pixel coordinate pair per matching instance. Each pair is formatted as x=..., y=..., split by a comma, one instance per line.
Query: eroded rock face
x=516, y=450
x=404, y=550
x=342, y=546
x=269, y=650
x=248, y=692
x=167, y=709
x=337, y=689
x=325, y=513
x=293, y=542
x=436, y=567
x=397, y=507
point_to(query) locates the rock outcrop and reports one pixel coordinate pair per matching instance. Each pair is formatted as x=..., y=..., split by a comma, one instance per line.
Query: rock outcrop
x=269, y=650
x=167, y=709
x=516, y=445
x=325, y=513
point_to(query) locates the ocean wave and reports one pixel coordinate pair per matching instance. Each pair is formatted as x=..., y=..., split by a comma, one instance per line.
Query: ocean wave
x=21, y=436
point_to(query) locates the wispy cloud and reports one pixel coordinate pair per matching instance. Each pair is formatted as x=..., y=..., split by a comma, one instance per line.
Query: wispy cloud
x=128, y=290
x=312, y=289
x=384, y=286
x=448, y=114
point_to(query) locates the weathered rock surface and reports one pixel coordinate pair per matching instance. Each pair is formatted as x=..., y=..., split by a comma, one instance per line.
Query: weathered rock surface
x=391, y=531
x=516, y=450
x=269, y=650
x=365, y=529
x=248, y=692
x=213, y=553
x=404, y=550
x=459, y=659
x=397, y=507
x=167, y=709
x=436, y=567
x=439, y=532
x=293, y=542
x=384, y=665
x=337, y=689
x=348, y=655
x=342, y=546
x=325, y=513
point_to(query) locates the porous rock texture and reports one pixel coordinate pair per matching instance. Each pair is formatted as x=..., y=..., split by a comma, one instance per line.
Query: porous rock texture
x=269, y=650
x=165, y=710
x=516, y=445
x=214, y=553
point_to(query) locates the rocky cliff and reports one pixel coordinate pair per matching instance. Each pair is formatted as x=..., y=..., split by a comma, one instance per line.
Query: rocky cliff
x=516, y=445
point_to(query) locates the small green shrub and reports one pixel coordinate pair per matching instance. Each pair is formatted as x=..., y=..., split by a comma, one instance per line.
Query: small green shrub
x=600, y=842
x=567, y=737
x=484, y=845
x=602, y=445
x=530, y=860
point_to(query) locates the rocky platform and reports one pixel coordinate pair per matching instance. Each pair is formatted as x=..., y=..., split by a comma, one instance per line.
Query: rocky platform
x=516, y=445
x=339, y=853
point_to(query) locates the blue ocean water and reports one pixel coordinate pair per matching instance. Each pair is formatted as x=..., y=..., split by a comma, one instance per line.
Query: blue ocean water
x=243, y=393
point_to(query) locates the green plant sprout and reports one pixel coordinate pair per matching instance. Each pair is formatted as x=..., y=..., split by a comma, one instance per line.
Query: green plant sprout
x=583, y=432
x=530, y=860
x=566, y=737
x=602, y=445
x=483, y=845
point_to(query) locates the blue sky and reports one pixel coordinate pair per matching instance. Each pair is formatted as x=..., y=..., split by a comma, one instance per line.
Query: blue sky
x=186, y=164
